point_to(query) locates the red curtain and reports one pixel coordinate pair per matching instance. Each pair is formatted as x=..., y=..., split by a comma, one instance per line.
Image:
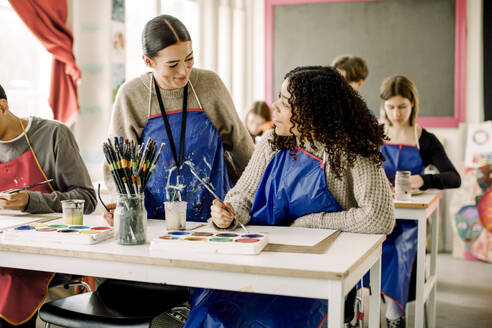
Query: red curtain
x=46, y=19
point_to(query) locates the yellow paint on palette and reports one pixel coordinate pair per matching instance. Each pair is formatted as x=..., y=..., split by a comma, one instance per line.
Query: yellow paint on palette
x=89, y=232
x=37, y=224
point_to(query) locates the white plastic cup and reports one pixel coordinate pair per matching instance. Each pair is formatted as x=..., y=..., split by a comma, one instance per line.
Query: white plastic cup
x=175, y=215
x=73, y=211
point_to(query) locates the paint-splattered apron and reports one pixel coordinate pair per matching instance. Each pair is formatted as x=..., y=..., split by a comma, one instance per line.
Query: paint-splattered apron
x=293, y=185
x=22, y=291
x=200, y=146
x=400, y=247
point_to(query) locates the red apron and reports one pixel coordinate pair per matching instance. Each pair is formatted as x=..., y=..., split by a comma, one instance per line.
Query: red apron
x=22, y=291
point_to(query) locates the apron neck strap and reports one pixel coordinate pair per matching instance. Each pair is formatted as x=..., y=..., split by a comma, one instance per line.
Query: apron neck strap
x=34, y=154
x=177, y=158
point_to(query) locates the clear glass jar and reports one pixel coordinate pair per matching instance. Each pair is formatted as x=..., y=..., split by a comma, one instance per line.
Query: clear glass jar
x=402, y=185
x=130, y=220
x=73, y=211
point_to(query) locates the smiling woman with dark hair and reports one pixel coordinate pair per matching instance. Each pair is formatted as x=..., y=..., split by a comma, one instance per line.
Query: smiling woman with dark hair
x=188, y=109
x=319, y=168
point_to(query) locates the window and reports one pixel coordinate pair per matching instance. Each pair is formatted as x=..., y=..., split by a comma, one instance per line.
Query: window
x=25, y=73
x=188, y=11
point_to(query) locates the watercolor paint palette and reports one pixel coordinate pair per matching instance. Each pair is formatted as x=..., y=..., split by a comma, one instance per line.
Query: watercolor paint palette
x=211, y=242
x=57, y=233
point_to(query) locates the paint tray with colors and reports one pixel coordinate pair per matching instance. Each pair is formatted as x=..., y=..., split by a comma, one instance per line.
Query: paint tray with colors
x=211, y=242
x=57, y=233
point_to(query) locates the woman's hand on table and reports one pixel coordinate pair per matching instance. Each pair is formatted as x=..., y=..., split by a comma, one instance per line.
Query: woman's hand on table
x=416, y=181
x=15, y=201
x=109, y=216
x=222, y=214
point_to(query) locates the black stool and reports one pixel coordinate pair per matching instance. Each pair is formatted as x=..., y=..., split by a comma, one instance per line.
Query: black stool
x=116, y=303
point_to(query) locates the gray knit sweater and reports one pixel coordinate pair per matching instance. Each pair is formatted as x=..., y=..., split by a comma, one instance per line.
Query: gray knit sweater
x=58, y=154
x=363, y=194
x=131, y=111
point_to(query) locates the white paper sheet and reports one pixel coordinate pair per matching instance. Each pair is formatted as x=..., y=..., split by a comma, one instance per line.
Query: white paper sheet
x=9, y=221
x=285, y=235
x=13, y=213
x=9, y=218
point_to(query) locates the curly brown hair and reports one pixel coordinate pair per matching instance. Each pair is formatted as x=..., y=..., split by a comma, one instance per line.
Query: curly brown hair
x=327, y=109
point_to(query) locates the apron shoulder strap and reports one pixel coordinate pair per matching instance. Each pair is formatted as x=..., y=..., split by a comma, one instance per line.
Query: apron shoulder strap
x=416, y=137
x=196, y=96
x=151, y=84
x=34, y=154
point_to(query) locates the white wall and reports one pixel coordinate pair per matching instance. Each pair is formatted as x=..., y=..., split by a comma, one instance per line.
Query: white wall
x=91, y=26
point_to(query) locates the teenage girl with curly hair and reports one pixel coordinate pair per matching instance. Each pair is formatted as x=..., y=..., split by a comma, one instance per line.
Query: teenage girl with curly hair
x=319, y=168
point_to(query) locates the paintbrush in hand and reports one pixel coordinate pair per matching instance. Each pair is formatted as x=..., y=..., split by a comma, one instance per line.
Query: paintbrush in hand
x=28, y=187
x=217, y=197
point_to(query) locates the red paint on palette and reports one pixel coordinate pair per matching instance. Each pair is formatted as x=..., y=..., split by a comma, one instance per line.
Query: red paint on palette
x=247, y=240
x=45, y=229
x=101, y=228
x=168, y=237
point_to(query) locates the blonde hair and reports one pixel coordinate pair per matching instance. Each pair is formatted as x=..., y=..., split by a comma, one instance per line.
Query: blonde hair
x=260, y=108
x=400, y=85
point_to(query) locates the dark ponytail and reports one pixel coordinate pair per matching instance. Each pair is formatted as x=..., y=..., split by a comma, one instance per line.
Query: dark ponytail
x=2, y=93
x=162, y=31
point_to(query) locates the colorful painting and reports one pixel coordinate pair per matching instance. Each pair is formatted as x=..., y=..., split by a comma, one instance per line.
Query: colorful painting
x=118, y=12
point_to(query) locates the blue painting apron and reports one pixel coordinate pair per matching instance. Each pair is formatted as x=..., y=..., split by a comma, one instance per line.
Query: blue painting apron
x=200, y=147
x=293, y=185
x=400, y=247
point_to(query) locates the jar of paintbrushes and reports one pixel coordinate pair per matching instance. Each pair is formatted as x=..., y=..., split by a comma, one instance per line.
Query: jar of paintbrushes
x=131, y=166
x=130, y=220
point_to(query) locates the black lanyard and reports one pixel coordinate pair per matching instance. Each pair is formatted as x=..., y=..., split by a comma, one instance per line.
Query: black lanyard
x=179, y=161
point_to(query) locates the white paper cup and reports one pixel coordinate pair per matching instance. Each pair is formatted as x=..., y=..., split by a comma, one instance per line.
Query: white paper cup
x=175, y=215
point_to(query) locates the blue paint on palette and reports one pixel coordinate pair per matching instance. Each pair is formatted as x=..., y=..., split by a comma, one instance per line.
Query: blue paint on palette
x=25, y=227
x=79, y=227
x=252, y=235
x=179, y=233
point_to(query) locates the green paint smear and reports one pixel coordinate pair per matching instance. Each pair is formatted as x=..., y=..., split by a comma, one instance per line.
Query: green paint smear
x=91, y=109
x=221, y=240
x=92, y=68
x=88, y=27
x=57, y=226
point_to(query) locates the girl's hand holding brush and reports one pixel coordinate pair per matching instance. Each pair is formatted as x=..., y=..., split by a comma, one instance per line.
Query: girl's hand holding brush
x=222, y=214
x=109, y=215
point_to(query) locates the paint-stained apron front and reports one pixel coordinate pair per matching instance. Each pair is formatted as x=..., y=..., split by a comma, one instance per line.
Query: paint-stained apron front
x=22, y=291
x=293, y=185
x=400, y=247
x=203, y=151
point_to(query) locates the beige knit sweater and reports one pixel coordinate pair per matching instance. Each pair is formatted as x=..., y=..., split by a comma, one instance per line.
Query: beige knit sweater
x=136, y=100
x=363, y=194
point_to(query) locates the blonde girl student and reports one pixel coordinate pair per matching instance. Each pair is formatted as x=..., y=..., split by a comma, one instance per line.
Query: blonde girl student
x=409, y=148
x=319, y=168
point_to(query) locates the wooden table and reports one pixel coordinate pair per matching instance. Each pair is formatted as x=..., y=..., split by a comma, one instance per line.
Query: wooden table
x=421, y=208
x=325, y=276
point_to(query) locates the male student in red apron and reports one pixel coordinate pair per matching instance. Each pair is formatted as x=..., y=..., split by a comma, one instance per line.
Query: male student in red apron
x=31, y=151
